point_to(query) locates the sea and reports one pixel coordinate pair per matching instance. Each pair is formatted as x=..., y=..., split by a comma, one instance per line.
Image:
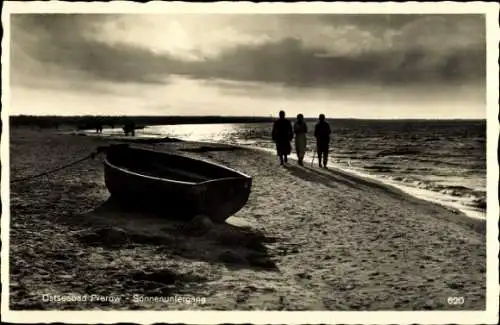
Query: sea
x=439, y=161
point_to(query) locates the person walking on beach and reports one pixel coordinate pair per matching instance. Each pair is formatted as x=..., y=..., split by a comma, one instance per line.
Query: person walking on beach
x=129, y=127
x=282, y=134
x=300, y=130
x=322, y=134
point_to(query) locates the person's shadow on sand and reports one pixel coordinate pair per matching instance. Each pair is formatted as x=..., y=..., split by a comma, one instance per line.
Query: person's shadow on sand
x=324, y=176
x=114, y=226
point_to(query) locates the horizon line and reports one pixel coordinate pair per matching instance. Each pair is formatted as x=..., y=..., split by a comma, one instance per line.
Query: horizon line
x=246, y=116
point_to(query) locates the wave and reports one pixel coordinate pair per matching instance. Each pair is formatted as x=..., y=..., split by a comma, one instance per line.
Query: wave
x=442, y=162
x=452, y=190
x=478, y=203
x=398, y=151
x=432, y=139
x=378, y=168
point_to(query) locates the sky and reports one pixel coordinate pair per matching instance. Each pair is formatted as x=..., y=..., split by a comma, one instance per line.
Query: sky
x=346, y=66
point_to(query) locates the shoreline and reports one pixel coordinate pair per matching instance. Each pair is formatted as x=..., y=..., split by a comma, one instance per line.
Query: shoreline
x=305, y=237
x=478, y=224
x=388, y=185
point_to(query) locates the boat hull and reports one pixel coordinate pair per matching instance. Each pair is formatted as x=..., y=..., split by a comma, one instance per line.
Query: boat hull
x=218, y=198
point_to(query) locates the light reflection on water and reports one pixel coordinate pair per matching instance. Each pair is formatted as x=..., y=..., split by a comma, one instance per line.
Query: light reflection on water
x=198, y=132
x=251, y=133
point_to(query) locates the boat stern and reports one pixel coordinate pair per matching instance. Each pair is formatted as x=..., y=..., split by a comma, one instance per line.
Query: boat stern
x=223, y=198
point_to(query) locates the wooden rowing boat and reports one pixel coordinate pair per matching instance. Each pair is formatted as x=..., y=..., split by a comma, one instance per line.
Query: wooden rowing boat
x=174, y=183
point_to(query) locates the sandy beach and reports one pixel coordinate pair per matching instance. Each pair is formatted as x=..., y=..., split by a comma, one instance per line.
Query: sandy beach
x=308, y=239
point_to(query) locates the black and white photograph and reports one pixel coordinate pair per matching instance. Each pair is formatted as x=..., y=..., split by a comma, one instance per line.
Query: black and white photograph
x=250, y=157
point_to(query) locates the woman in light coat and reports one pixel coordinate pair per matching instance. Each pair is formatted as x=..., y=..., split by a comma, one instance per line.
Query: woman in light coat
x=300, y=130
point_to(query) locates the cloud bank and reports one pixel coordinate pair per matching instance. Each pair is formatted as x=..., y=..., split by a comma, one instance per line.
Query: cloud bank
x=297, y=50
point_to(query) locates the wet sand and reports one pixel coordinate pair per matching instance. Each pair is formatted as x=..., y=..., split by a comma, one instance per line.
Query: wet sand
x=308, y=239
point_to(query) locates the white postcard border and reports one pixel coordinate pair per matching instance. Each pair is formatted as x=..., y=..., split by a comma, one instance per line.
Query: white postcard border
x=268, y=317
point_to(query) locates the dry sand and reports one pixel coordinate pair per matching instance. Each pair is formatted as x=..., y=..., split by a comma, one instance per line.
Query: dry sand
x=307, y=239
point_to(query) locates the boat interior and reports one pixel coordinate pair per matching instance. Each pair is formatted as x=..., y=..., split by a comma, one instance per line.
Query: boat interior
x=168, y=166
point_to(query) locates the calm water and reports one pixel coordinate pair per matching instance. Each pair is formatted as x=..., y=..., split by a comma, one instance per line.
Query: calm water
x=441, y=161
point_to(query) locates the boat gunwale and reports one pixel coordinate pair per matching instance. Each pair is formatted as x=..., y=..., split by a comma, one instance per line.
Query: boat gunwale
x=169, y=180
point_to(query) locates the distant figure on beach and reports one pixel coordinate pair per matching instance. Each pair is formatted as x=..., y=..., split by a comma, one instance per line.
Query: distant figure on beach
x=282, y=134
x=129, y=127
x=98, y=127
x=322, y=134
x=300, y=130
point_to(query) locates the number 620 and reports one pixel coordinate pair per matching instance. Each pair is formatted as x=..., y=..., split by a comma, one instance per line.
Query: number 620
x=456, y=300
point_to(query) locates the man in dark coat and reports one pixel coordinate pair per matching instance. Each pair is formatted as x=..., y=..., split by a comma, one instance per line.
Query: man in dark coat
x=322, y=133
x=282, y=134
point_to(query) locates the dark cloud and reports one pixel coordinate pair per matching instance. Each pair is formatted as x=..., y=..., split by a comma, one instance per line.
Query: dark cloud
x=61, y=44
x=288, y=61
x=44, y=44
x=393, y=20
